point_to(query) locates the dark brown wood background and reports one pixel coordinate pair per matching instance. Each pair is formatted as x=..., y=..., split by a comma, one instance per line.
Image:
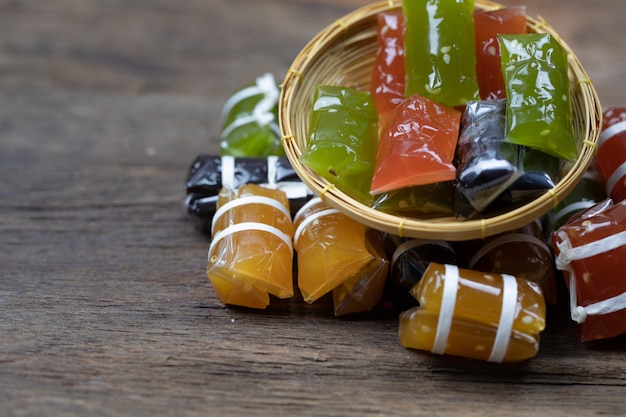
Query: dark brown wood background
x=105, y=309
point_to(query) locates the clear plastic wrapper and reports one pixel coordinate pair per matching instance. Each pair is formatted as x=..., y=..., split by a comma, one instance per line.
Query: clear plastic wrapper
x=488, y=24
x=478, y=315
x=250, y=120
x=388, y=80
x=363, y=291
x=342, y=139
x=420, y=201
x=539, y=109
x=209, y=173
x=417, y=143
x=589, y=250
x=440, y=56
x=522, y=253
x=410, y=258
x=486, y=166
x=610, y=161
x=330, y=247
x=539, y=174
x=251, y=251
x=494, y=175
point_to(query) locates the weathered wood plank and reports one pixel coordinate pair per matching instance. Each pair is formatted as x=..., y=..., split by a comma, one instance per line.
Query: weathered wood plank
x=106, y=298
x=104, y=305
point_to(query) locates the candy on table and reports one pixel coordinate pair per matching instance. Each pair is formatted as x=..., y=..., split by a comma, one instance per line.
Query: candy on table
x=388, y=82
x=410, y=258
x=330, y=248
x=539, y=107
x=251, y=253
x=610, y=161
x=588, y=192
x=478, y=315
x=522, y=252
x=342, y=139
x=590, y=250
x=488, y=24
x=417, y=143
x=208, y=174
x=440, y=55
x=487, y=165
x=363, y=291
x=420, y=201
x=250, y=120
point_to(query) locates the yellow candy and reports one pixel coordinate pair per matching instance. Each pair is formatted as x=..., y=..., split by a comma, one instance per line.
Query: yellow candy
x=330, y=247
x=467, y=339
x=363, y=291
x=251, y=254
x=486, y=316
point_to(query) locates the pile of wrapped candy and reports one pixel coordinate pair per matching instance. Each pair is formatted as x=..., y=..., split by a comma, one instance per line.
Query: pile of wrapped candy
x=467, y=114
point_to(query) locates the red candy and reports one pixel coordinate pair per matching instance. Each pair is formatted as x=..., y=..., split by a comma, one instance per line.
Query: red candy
x=488, y=24
x=387, y=85
x=610, y=160
x=590, y=249
x=417, y=145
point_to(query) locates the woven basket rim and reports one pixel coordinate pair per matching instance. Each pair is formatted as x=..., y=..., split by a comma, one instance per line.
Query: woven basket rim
x=350, y=28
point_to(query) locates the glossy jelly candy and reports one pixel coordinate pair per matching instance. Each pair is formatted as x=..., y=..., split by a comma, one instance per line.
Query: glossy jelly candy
x=417, y=144
x=388, y=81
x=539, y=174
x=251, y=252
x=590, y=250
x=474, y=314
x=330, y=248
x=430, y=200
x=208, y=174
x=522, y=252
x=250, y=120
x=539, y=107
x=488, y=24
x=363, y=291
x=486, y=165
x=610, y=161
x=410, y=258
x=342, y=139
x=440, y=55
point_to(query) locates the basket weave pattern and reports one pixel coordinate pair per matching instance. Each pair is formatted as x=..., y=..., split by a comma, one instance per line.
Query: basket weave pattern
x=343, y=54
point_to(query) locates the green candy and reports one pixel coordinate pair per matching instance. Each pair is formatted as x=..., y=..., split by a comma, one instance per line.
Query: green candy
x=440, y=57
x=250, y=121
x=342, y=139
x=539, y=110
x=430, y=200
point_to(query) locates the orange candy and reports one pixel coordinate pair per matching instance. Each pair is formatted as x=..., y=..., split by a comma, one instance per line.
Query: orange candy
x=363, y=291
x=417, y=144
x=473, y=314
x=251, y=253
x=388, y=80
x=521, y=252
x=330, y=246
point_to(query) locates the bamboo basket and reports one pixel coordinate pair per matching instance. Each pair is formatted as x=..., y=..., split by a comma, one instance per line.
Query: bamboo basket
x=343, y=54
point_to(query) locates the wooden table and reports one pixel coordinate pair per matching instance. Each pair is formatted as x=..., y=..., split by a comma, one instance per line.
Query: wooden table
x=105, y=309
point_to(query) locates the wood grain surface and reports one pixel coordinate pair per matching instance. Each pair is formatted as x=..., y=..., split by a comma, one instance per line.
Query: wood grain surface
x=105, y=309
